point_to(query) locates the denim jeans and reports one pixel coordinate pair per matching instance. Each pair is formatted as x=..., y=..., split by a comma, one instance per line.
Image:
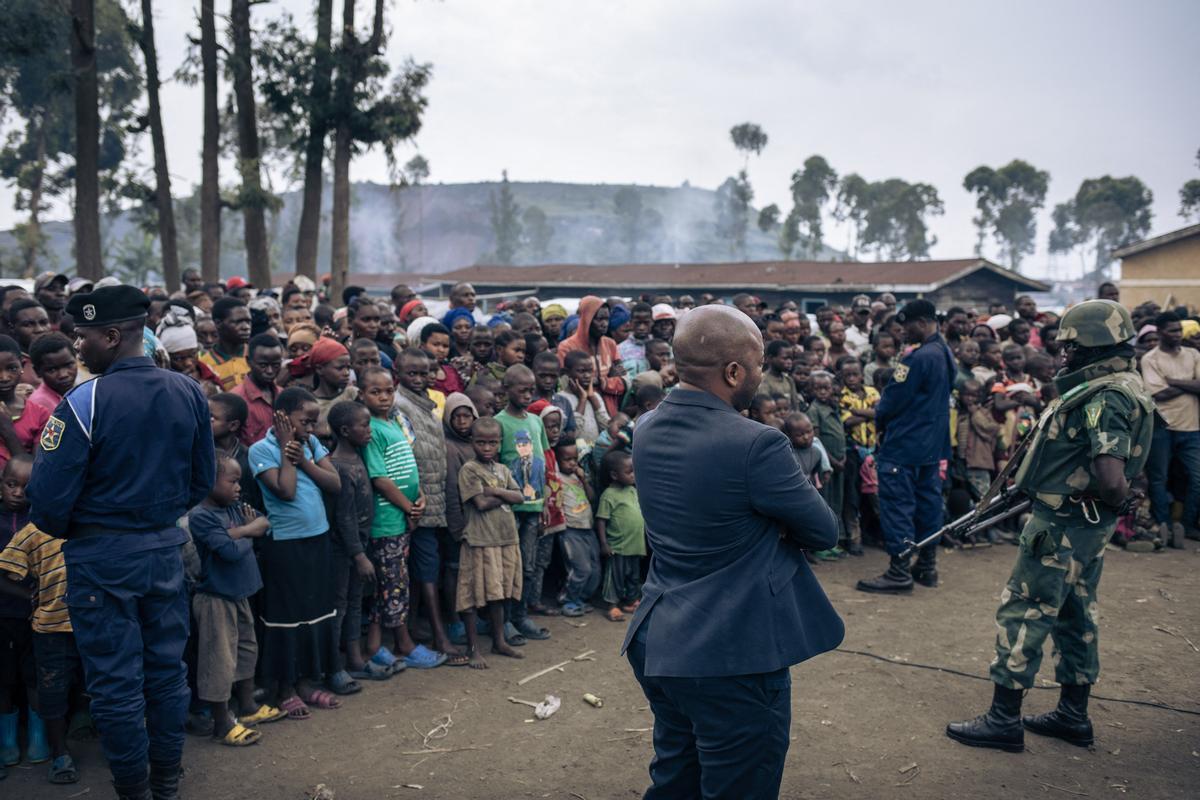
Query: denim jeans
x=1185, y=446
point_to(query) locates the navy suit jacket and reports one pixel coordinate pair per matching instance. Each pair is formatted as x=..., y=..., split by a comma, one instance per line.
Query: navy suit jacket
x=727, y=514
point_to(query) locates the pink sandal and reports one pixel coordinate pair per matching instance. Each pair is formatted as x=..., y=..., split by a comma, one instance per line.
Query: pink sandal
x=295, y=708
x=320, y=698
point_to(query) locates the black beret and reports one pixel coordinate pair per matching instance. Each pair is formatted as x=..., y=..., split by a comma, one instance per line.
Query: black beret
x=916, y=309
x=108, y=305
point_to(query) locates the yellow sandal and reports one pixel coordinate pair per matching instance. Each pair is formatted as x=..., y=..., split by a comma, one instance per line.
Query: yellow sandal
x=265, y=713
x=240, y=736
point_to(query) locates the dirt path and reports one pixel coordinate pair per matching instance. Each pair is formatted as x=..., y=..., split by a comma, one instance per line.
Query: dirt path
x=859, y=725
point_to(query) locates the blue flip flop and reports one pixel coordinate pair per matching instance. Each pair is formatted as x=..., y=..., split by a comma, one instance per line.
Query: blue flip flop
x=385, y=658
x=423, y=658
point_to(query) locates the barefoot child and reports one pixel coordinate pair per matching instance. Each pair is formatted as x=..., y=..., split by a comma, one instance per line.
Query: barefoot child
x=622, y=534
x=489, y=573
x=223, y=528
x=351, y=513
x=398, y=508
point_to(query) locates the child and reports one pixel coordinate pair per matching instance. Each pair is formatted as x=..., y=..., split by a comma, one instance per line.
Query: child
x=777, y=378
x=762, y=409
x=398, y=507
x=222, y=529
x=554, y=521
x=858, y=416
x=885, y=354
x=460, y=415
x=621, y=532
x=509, y=348
x=580, y=394
x=228, y=412
x=31, y=554
x=482, y=398
x=990, y=361
x=351, y=514
x=647, y=399
x=12, y=400
x=522, y=444
x=435, y=340
x=490, y=555
x=364, y=354
x=827, y=418
x=581, y=548
x=53, y=359
x=810, y=456
x=545, y=376
x=977, y=433
x=297, y=604
x=967, y=356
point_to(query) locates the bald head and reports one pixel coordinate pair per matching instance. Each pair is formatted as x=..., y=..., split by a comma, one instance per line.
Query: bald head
x=719, y=349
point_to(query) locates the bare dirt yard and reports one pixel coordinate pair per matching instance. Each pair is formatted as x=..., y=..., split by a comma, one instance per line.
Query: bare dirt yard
x=861, y=727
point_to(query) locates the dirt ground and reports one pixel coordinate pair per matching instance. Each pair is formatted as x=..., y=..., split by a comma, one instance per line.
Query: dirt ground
x=861, y=727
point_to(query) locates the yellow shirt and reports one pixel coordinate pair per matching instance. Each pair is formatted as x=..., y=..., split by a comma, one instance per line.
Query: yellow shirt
x=32, y=552
x=231, y=370
x=864, y=434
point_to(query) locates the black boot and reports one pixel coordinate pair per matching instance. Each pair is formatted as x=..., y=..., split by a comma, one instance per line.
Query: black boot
x=1069, y=721
x=164, y=781
x=999, y=727
x=896, y=579
x=925, y=571
x=135, y=791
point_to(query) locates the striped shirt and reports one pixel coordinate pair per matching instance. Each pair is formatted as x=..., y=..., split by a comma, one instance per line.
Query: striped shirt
x=389, y=455
x=32, y=552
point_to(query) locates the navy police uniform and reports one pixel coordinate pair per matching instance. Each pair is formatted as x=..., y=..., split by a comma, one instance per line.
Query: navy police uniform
x=913, y=421
x=121, y=460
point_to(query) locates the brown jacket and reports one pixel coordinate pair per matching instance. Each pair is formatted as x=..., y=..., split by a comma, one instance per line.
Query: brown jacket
x=977, y=434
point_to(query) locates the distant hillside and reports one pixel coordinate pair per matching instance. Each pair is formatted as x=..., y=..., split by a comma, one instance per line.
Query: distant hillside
x=440, y=227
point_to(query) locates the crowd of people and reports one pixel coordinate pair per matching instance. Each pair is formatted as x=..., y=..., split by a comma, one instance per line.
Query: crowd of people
x=393, y=486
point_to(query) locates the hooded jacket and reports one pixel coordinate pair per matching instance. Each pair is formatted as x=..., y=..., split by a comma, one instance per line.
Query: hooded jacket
x=604, y=353
x=458, y=452
x=429, y=449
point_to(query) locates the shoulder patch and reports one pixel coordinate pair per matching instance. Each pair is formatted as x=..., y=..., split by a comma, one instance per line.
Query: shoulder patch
x=1092, y=414
x=900, y=374
x=52, y=434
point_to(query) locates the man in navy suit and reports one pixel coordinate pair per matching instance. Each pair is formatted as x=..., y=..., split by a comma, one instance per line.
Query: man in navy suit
x=730, y=602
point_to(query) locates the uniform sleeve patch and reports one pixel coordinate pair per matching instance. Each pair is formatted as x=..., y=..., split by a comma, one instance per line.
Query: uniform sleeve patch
x=900, y=375
x=52, y=433
x=1092, y=413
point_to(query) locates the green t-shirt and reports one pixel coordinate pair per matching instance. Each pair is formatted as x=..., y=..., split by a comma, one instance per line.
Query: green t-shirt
x=625, y=529
x=389, y=455
x=523, y=445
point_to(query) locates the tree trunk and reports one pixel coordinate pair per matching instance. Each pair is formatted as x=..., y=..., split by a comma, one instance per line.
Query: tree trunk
x=87, y=140
x=309, y=236
x=342, y=140
x=31, y=241
x=258, y=256
x=210, y=190
x=162, y=177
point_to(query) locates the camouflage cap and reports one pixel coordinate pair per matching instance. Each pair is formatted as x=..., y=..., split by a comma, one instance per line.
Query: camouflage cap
x=1096, y=323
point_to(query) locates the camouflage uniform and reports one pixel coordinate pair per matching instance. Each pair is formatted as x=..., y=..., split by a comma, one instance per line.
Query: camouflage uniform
x=1103, y=409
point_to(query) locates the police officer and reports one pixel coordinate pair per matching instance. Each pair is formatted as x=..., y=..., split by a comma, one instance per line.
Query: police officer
x=1086, y=448
x=122, y=459
x=913, y=421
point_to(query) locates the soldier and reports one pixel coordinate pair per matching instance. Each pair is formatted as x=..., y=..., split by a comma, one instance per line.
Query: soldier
x=1087, y=446
x=122, y=459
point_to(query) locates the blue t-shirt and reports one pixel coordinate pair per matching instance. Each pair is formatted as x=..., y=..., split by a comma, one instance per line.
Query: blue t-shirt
x=304, y=516
x=227, y=566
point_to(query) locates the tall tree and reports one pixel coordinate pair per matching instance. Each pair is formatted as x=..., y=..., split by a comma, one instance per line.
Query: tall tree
x=367, y=111
x=321, y=87
x=735, y=194
x=210, y=187
x=812, y=187
x=538, y=233
x=162, y=177
x=853, y=205
x=748, y=138
x=506, y=222
x=1105, y=214
x=897, y=219
x=252, y=198
x=1189, y=196
x=416, y=172
x=1008, y=199
x=87, y=139
x=768, y=218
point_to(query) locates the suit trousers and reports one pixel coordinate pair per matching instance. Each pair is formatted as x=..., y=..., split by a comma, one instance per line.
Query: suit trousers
x=716, y=738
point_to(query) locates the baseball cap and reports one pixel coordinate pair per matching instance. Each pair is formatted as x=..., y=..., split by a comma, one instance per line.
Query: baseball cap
x=663, y=311
x=47, y=278
x=916, y=309
x=236, y=282
x=79, y=284
x=999, y=322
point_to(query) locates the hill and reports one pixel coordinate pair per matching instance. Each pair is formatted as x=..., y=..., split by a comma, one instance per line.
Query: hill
x=439, y=227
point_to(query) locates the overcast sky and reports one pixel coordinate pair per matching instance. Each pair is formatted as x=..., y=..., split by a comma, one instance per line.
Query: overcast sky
x=645, y=91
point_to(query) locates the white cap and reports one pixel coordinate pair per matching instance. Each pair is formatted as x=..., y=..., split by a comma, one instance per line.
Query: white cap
x=663, y=311
x=999, y=322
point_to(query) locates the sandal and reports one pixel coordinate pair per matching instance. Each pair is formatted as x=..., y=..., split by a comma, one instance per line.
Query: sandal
x=294, y=708
x=320, y=698
x=341, y=682
x=512, y=636
x=422, y=657
x=62, y=770
x=572, y=610
x=531, y=630
x=240, y=736
x=457, y=659
x=262, y=715
x=371, y=671
x=386, y=658
x=543, y=611
x=614, y=615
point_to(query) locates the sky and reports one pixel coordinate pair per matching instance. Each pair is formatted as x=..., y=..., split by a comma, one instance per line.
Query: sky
x=645, y=91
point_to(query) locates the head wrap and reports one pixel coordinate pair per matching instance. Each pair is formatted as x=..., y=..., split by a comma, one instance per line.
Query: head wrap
x=548, y=409
x=453, y=316
x=1146, y=329
x=407, y=308
x=554, y=310
x=1190, y=328
x=415, y=327
x=153, y=348
x=304, y=283
x=569, y=326
x=618, y=317
x=265, y=303
x=323, y=351
x=501, y=317
x=340, y=314
x=177, y=338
